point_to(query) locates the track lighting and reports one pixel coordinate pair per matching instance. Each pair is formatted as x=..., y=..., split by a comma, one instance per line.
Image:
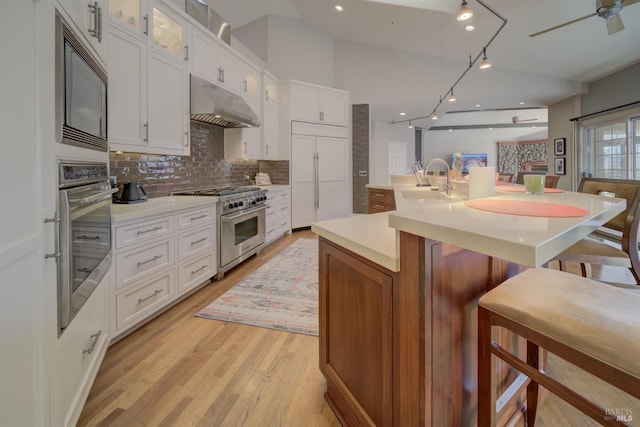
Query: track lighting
x=465, y=12
x=434, y=116
x=410, y=125
x=452, y=98
x=485, y=62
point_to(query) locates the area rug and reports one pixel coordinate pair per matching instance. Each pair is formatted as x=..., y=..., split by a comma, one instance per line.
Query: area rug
x=281, y=294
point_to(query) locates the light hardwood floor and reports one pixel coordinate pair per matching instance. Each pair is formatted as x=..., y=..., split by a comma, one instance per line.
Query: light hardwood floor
x=180, y=370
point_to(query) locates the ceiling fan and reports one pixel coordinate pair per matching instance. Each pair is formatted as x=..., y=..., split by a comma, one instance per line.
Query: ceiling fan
x=607, y=9
x=515, y=119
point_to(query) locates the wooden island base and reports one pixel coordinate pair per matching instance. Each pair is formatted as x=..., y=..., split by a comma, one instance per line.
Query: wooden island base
x=399, y=348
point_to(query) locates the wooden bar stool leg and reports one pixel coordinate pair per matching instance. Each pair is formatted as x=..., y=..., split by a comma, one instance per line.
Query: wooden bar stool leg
x=533, y=354
x=486, y=393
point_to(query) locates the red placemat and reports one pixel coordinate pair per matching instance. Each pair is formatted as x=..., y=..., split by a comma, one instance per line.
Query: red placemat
x=520, y=189
x=526, y=208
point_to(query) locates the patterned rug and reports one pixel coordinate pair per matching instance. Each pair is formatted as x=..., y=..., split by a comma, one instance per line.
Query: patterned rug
x=281, y=294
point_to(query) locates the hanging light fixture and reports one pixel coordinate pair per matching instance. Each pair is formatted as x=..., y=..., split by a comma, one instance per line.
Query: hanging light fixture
x=485, y=62
x=410, y=125
x=452, y=97
x=434, y=116
x=465, y=12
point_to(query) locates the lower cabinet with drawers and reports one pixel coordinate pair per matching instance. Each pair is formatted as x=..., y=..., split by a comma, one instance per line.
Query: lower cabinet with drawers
x=158, y=260
x=278, y=215
x=381, y=200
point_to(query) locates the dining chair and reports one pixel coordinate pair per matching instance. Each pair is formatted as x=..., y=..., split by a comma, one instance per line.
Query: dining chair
x=616, y=242
x=551, y=181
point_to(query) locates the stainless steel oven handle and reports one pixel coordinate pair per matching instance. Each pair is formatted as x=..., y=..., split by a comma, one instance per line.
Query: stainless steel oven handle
x=95, y=198
x=243, y=213
x=56, y=230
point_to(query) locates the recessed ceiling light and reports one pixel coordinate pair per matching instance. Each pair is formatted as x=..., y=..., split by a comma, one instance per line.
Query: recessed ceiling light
x=450, y=130
x=477, y=105
x=469, y=27
x=403, y=114
x=521, y=102
x=339, y=8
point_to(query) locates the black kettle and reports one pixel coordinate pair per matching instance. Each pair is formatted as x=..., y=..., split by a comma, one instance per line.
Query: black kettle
x=131, y=192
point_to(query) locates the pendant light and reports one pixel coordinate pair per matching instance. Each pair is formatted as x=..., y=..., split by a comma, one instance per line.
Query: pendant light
x=485, y=62
x=452, y=97
x=465, y=12
x=410, y=125
x=434, y=116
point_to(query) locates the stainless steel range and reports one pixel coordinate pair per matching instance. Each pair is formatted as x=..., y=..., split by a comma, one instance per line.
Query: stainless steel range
x=240, y=223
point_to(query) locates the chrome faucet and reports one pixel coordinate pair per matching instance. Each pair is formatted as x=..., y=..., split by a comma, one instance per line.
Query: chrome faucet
x=439, y=161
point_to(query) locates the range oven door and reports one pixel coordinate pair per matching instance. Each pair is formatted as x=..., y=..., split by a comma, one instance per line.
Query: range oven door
x=241, y=233
x=85, y=245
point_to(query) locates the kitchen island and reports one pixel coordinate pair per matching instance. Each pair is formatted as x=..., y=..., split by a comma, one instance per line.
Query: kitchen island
x=397, y=339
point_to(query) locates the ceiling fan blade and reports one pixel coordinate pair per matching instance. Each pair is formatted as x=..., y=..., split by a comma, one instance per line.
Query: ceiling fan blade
x=526, y=120
x=614, y=24
x=565, y=24
x=626, y=3
x=608, y=3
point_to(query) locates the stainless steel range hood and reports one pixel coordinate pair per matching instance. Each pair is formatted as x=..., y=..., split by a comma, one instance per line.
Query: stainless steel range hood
x=215, y=105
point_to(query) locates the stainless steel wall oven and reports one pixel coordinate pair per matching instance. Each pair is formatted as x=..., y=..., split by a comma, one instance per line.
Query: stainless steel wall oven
x=83, y=238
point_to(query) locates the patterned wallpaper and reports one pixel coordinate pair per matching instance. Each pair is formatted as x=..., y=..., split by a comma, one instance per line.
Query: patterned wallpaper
x=205, y=167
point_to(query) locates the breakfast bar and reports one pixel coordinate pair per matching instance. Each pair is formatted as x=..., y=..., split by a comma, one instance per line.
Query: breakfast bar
x=399, y=291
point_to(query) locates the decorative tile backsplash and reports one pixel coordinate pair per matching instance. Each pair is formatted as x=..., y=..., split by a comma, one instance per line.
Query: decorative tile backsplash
x=161, y=175
x=513, y=156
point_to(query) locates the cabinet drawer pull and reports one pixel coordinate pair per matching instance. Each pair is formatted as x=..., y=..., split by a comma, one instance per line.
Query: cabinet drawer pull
x=198, y=270
x=155, y=258
x=378, y=206
x=83, y=237
x=194, y=218
x=94, y=340
x=156, y=292
x=149, y=230
x=284, y=208
x=199, y=241
x=283, y=224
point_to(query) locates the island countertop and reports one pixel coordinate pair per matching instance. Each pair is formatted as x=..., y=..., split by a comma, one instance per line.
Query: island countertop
x=367, y=235
x=526, y=240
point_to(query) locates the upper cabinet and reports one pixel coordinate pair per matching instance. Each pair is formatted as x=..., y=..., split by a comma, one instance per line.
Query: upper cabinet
x=319, y=104
x=204, y=55
x=168, y=32
x=271, y=146
x=89, y=18
x=251, y=84
x=148, y=79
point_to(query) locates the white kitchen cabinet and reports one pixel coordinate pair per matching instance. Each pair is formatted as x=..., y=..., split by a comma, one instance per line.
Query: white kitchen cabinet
x=229, y=71
x=130, y=14
x=90, y=19
x=242, y=143
x=168, y=32
x=319, y=173
x=271, y=145
x=204, y=55
x=278, y=214
x=251, y=83
x=127, y=106
x=168, y=105
x=318, y=104
x=78, y=354
x=159, y=259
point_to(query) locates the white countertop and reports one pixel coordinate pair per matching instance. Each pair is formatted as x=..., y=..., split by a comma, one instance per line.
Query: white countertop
x=157, y=205
x=367, y=235
x=274, y=187
x=526, y=240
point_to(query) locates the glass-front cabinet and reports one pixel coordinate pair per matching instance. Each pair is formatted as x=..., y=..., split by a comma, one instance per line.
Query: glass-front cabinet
x=130, y=14
x=168, y=32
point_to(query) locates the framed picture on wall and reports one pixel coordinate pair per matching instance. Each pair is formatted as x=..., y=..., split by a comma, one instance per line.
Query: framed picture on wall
x=559, y=145
x=559, y=166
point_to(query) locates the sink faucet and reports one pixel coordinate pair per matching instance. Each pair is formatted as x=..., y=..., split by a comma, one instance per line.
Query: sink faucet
x=446, y=165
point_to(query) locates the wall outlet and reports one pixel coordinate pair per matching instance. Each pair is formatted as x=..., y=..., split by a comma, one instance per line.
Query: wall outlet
x=362, y=173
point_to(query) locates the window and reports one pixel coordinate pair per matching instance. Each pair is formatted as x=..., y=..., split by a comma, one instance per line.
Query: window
x=611, y=148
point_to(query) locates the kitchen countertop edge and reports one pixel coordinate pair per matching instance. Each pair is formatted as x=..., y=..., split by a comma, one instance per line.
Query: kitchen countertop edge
x=157, y=206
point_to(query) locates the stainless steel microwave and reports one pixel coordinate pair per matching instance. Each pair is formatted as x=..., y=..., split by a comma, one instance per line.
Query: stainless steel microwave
x=81, y=93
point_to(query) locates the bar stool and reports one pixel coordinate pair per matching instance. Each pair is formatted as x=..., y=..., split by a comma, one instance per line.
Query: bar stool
x=590, y=324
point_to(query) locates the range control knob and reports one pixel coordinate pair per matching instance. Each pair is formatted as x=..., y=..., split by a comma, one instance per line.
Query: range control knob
x=240, y=203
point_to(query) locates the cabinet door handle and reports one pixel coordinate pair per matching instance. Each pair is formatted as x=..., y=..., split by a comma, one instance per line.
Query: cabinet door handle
x=194, y=218
x=146, y=25
x=186, y=53
x=146, y=132
x=149, y=230
x=94, y=340
x=186, y=139
x=94, y=10
x=88, y=237
x=198, y=270
x=223, y=75
x=56, y=232
x=322, y=115
x=220, y=74
x=198, y=241
x=156, y=292
x=155, y=258
x=246, y=86
x=317, y=189
x=267, y=92
x=266, y=149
